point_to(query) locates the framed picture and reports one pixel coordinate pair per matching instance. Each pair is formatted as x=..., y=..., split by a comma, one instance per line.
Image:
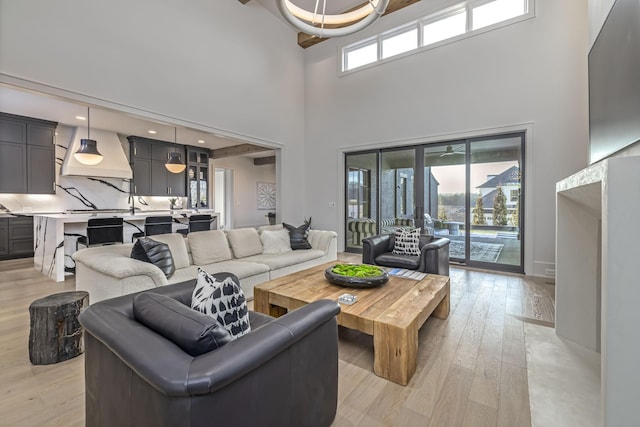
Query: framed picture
x=266, y=195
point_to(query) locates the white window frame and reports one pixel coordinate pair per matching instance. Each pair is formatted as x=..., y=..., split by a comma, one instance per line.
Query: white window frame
x=468, y=5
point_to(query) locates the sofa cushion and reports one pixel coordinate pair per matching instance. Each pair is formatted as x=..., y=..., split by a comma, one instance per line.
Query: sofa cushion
x=192, y=331
x=244, y=242
x=157, y=253
x=298, y=235
x=208, y=247
x=274, y=227
x=223, y=301
x=178, y=248
x=388, y=259
x=407, y=242
x=275, y=242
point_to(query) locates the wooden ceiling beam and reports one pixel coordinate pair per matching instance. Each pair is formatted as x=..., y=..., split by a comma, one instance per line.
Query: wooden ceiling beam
x=237, y=150
x=260, y=161
x=306, y=40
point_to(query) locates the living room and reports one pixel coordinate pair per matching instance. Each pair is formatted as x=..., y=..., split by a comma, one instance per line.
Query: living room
x=236, y=69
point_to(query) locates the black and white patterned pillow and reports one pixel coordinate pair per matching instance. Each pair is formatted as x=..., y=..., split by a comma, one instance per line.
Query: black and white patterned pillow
x=223, y=300
x=407, y=242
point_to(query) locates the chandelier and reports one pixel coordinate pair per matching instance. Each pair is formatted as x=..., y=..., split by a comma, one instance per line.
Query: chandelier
x=316, y=22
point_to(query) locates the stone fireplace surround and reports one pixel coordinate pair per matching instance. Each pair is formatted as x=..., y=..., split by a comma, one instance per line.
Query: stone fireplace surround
x=597, y=276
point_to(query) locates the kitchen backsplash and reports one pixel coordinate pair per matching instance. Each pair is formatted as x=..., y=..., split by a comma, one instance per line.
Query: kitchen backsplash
x=81, y=193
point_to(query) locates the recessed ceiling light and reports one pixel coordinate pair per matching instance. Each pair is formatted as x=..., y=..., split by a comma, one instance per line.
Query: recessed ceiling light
x=81, y=118
x=201, y=141
x=152, y=132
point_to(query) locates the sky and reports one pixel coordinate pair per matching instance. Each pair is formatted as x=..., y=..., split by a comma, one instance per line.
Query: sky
x=452, y=178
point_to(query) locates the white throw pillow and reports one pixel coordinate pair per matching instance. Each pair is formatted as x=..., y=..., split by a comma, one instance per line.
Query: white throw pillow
x=177, y=246
x=275, y=242
x=224, y=301
x=208, y=247
x=407, y=242
x=244, y=242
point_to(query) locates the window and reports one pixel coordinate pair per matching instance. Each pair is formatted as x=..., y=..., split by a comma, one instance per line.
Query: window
x=515, y=195
x=359, y=193
x=497, y=11
x=445, y=28
x=459, y=20
x=400, y=43
x=361, y=55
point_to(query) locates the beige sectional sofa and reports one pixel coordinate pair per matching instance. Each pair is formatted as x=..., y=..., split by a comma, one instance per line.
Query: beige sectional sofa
x=109, y=271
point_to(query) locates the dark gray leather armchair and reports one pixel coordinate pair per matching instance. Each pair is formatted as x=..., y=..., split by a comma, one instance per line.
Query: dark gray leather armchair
x=283, y=373
x=434, y=254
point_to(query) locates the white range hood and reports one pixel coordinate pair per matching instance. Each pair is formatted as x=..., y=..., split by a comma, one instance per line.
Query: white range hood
x=113, y=165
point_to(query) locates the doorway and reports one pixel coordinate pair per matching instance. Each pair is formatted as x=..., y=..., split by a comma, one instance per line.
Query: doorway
x=223, y=197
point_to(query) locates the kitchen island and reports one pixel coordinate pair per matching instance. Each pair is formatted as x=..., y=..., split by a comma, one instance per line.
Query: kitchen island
x=56, y=235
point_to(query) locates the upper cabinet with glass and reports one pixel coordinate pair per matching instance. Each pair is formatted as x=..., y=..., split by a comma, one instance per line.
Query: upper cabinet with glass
x=198, y=177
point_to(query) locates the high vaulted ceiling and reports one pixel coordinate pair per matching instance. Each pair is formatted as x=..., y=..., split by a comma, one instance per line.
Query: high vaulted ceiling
x=333, y=6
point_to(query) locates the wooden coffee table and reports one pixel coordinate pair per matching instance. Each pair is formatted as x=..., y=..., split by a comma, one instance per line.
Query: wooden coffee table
x=393, y=313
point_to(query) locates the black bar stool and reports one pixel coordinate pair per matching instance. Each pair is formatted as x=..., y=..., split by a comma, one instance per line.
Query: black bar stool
x=102, y=231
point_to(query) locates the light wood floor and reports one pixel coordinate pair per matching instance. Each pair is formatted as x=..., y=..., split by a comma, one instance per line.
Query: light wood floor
x=471, y=367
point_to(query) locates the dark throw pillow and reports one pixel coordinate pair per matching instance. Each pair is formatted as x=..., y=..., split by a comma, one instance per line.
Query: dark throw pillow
x=298, y=235
x=158, y=254
x=222, y=300
x=192, y=331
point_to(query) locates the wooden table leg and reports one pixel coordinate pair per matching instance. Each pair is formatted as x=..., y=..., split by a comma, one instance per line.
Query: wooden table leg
x=395, y=351
x=442, y=310
x=261, y=304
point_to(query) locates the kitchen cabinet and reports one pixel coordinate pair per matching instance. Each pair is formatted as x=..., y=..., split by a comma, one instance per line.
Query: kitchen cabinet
x=198, y=177
x=27, y=155
x=16, y=237
x=150, y=176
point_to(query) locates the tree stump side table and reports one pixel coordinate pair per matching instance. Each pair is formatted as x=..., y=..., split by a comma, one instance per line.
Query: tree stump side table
x=55, y=333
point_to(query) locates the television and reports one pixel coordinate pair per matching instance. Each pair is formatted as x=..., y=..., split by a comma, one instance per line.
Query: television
x=614, y=82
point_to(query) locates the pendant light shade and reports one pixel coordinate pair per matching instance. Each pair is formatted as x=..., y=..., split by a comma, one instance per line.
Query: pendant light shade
x=175, y=164
x=321, y=24
x=88, y=153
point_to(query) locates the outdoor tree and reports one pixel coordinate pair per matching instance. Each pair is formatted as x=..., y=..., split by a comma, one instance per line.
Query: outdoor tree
x=478, y=212
x=515, y=216
x=442, y=215
x=499, y=208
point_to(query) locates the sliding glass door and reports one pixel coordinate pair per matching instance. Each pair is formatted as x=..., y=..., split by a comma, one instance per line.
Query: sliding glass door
x=361, y=198
x=495, y=192
x=445, y=194
x=468, y=190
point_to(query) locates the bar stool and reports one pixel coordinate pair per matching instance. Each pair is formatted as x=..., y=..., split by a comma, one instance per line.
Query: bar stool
x=158, y=225
x=198, y=223
x=102, y=231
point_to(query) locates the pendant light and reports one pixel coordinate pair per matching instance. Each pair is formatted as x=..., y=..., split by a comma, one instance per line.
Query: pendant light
x=320, y=24
x=88, y=153
x=175, y=164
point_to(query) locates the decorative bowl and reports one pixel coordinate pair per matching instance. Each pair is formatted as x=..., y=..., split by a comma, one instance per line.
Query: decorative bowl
x=370, y=281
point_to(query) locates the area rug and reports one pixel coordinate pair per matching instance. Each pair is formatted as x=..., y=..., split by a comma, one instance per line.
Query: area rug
x=485, y=252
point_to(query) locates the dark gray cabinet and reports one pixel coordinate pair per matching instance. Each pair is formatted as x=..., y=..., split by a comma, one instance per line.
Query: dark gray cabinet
x=4, y=238
x=150, y=176
x=27, y=155
x=16, y=237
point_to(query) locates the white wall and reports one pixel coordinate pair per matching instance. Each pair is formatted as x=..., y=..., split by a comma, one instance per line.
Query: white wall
x=245, y=177
x=531, y=75
x=221, y=66
x=598, y=12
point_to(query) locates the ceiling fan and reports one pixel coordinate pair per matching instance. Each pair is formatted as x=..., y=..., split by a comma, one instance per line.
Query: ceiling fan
x=450, y=151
